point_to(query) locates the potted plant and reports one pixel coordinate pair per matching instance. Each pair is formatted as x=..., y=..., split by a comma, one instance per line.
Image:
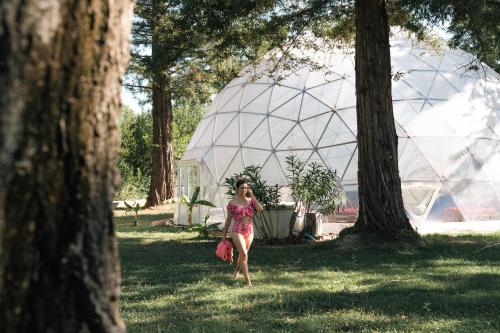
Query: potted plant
x=314, y=187
x=267, y=195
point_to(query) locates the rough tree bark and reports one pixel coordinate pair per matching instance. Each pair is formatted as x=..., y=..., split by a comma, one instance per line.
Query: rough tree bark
x=60, y=69
x=162, y=167
x=381, y=207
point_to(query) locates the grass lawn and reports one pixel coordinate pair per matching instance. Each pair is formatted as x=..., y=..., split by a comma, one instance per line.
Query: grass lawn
x=172, y=282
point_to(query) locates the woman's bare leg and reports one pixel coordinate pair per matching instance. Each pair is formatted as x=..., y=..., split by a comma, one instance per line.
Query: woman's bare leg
x=237, y=273
x=241, y=245
x=248, y=243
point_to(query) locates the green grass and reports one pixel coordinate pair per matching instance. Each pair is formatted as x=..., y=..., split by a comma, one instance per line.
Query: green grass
x=172, y=282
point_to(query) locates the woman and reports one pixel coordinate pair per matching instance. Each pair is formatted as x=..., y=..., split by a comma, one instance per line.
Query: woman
x=241, y=209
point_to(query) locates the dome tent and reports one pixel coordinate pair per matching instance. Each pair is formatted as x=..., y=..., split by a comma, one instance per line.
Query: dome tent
x=447, y=121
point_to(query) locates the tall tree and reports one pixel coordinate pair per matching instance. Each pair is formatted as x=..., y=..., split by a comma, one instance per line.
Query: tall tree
x=381, y=208
x=60, y=73
x=380, y=197
x=183, y=49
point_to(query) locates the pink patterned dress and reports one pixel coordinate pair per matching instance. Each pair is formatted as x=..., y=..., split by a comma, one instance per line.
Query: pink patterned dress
x=239, y=212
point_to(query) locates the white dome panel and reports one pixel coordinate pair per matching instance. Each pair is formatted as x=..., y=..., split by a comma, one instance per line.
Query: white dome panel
x=447, y=120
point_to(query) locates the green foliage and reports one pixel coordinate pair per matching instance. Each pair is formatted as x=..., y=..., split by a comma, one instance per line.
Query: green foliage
x=134, y=154
x=134, y=208
x=196, y=44
x=132, y=186
x=193, y=202
x=315, y=186
x=204, y=229
x=136, y=141
x=267, y=195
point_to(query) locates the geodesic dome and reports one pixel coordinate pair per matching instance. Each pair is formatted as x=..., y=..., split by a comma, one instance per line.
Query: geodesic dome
x=447, y=121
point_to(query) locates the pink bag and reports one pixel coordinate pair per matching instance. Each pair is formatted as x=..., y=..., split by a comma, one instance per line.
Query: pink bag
x=224, y=250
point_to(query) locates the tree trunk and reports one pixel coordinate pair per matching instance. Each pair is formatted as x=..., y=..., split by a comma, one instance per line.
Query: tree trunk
x=60, y=69
x=381, y=207
x=162, y=168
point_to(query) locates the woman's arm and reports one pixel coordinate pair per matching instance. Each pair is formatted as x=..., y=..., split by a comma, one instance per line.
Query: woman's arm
x=256, y=203
x=226, y=225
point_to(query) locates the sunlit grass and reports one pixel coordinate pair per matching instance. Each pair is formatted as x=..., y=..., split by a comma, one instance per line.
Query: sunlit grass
x=172, y=282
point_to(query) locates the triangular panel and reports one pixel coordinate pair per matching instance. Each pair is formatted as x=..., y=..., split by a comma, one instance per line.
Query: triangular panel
x=327, y=93
x=256, y=157
x=260, y=137
x=202, y=126
x=249, y=123
x=295, y=139
x=419, y=81
x=429, y=122
x=230, y=136
x=336, y=133
x=437, y=151
x=347, y=96
x=311, y=107
x=314, y=127
x=317, y=78
x=206, y=138
x=296, y=79
x=442, y=89
x=214, y=105
x=209, y=160
x=348, y=116
x=231, y=95
x=252, y=92
x=281, y=95
x=233, y=103
x=406, y=112
x=289, y=110
x=279, y=128
x=338, y=157
x=222, y=121
x=303, y=155
x=350, y=175
x=272, y=172
x=235, y=166
x=413, y=166
x=259, y=104
x=223, y=156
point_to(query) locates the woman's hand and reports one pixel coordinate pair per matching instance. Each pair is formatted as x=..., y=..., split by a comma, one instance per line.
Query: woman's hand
x=250, y=192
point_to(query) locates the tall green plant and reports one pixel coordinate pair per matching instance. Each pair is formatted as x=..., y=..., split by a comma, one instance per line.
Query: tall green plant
x=296, y=169
x=267, y=195
x=315, y=187
x=193, y=202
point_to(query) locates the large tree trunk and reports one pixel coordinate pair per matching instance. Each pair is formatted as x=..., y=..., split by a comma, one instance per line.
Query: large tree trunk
x=162, y=168
x=381, y=207
x=60, y=69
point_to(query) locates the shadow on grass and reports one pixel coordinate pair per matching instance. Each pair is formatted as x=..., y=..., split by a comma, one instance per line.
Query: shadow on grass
x=188, y=289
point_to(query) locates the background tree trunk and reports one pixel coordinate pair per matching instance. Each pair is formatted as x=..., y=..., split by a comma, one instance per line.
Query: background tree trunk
x=60, y=70
x=381, y=207
x=162, y=167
